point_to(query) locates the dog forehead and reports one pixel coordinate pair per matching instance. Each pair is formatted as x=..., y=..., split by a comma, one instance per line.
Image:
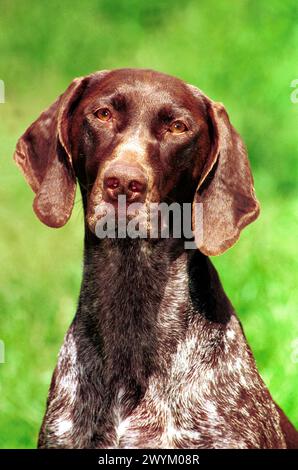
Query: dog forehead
x=146, y=87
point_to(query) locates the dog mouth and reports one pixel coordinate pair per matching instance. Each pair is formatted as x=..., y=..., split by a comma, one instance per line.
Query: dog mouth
x=144, y=220
x=121, y=218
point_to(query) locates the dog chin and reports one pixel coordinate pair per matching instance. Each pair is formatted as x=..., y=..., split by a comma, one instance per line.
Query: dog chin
x=111, y=220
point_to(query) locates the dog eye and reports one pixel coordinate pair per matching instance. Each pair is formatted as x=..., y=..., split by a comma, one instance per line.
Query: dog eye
x=177, y=127
x=104, y=114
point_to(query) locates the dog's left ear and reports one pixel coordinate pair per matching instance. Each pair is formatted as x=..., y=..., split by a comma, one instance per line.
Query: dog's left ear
x=44, y=155
x=225, y=188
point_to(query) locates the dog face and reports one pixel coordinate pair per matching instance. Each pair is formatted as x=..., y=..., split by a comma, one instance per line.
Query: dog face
x=138, y=133
x=147, y=136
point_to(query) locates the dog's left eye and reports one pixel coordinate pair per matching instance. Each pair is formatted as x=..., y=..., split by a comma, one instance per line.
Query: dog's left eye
x=104, y=114
x=177, y=127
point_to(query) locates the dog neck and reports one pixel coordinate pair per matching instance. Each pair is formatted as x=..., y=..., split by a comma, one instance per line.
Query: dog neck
x=134, y=294
x=135, y=300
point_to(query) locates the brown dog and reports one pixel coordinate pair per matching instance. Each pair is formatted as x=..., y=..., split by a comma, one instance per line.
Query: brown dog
x=155, y=356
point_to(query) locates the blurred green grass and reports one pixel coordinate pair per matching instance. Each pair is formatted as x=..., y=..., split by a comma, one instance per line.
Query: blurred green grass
x=241, y=53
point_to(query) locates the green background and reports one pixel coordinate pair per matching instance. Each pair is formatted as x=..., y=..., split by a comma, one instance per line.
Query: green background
x=243, y=53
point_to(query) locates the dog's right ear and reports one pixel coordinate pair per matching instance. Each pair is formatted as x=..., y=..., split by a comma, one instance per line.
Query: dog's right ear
x=44, y=155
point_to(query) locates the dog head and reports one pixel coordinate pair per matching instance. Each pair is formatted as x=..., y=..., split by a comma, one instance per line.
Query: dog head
x=145, y=135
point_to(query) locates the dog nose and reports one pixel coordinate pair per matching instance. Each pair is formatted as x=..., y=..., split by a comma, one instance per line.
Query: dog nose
x=128, y=179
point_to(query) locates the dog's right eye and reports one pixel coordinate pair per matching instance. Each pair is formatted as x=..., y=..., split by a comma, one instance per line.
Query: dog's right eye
x=103, y=114
x=177, y=127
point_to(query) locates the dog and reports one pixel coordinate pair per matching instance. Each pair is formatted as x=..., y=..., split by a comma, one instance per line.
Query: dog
x=155, y=356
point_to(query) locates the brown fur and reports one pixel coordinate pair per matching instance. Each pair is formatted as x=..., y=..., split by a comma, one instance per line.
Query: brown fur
x=155, y=356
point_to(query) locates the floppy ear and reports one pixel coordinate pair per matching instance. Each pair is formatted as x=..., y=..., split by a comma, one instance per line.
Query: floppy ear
x=44, y=155
x=226, y=185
